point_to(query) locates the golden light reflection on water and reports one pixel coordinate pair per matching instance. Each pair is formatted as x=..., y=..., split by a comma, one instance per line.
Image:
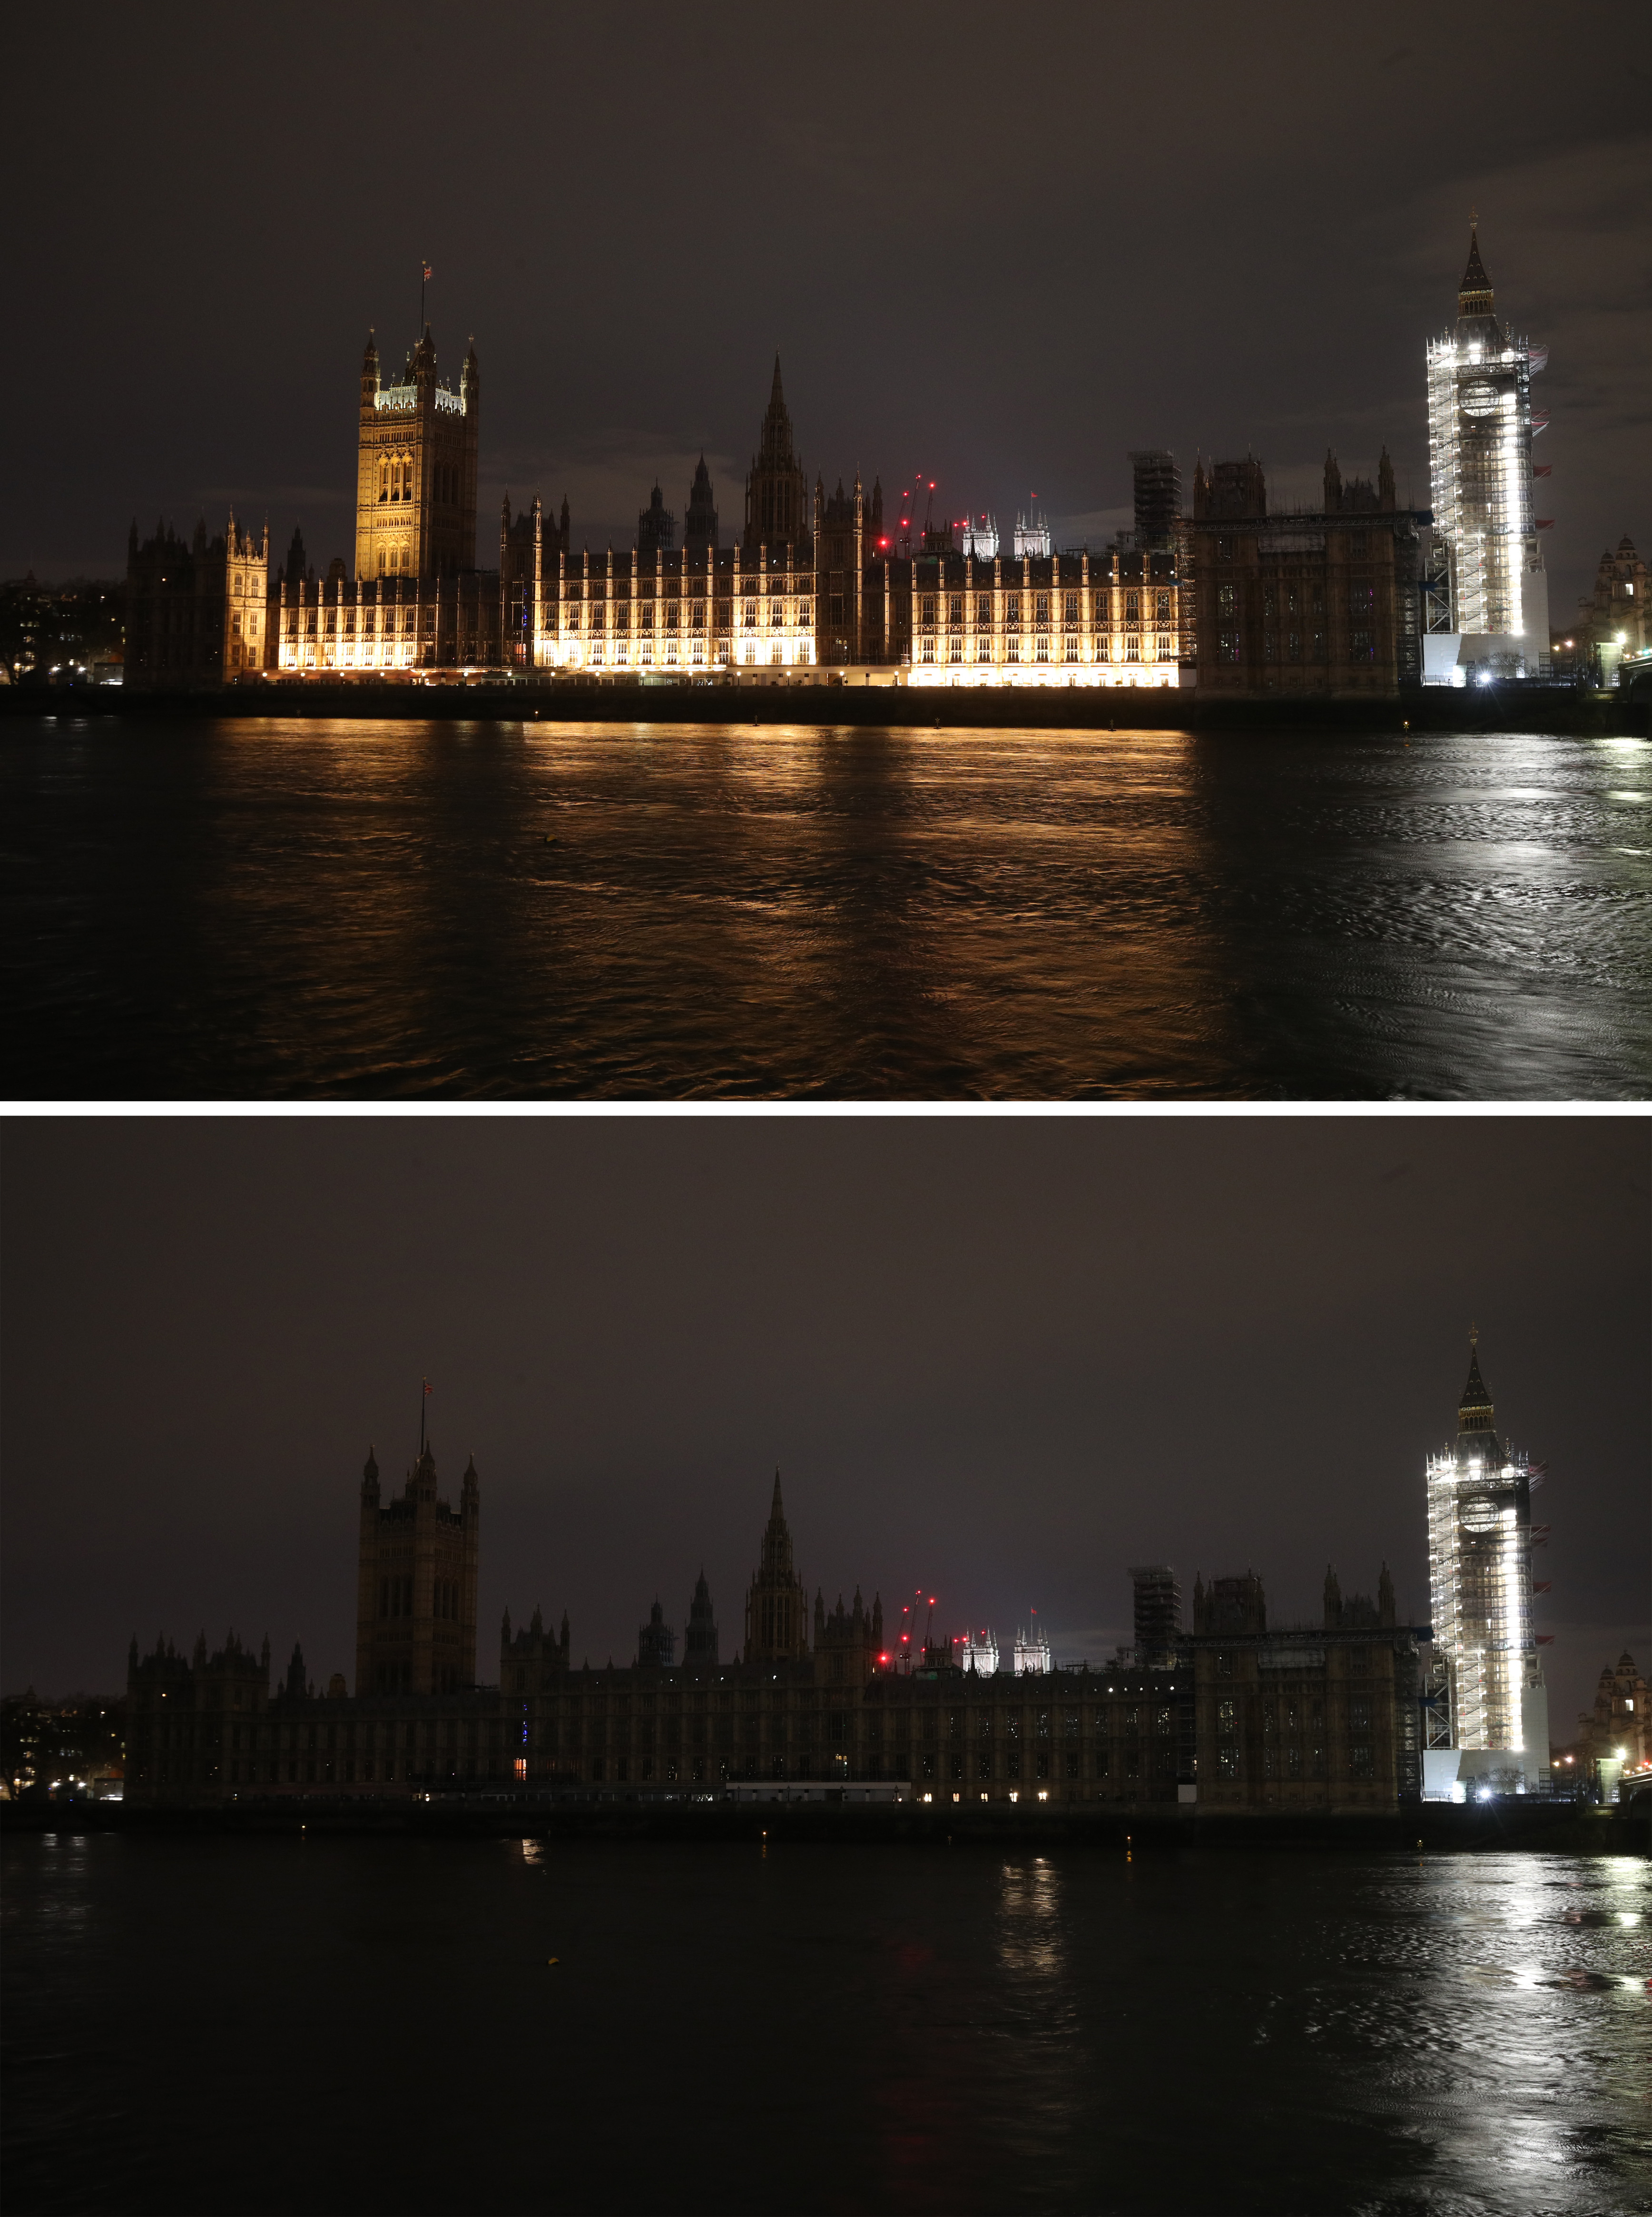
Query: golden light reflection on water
x=398, y=907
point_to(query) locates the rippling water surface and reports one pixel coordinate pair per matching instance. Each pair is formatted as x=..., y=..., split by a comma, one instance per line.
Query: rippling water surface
x=320, y=2025
x=285, y=908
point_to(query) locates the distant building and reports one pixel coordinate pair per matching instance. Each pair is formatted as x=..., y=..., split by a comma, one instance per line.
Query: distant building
x=1617, y=1730
x=976, y=1651
x=1324, y=604
x=1480, y=1539
x=1480, y=426
x=977, y=535
x=197, y=614
x=1031, y=1651
x=1032, y=537
x=1614, y=625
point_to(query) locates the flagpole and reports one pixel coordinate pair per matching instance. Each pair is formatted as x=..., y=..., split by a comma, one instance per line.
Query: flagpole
x=424, y=274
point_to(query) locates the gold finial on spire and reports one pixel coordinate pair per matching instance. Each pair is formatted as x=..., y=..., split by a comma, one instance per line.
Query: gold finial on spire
x=1474, y=1335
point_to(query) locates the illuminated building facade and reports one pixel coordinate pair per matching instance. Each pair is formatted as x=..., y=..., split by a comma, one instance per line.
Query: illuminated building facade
x=1090, y=620
x=385, y=624
x=196, y=612
x=1480, y=1541
x=415, y=1584
x=1322, y=604
x=416, y=469
x=1479, y=431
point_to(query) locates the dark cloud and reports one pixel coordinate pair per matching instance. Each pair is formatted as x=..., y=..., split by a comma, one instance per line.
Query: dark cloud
x=1004, y=1358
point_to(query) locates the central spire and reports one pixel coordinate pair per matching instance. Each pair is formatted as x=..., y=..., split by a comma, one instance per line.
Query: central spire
x=1475, y=1410
x=1474, y=296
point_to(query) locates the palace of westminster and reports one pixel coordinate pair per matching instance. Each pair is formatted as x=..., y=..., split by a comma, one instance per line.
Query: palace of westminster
x=814, y=1702
x=814, y=589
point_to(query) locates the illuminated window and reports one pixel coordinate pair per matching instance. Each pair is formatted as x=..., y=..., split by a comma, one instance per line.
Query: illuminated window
x=1043, y=650
x=928, y=609
x=1071, y=613
x=955, y=649
x=929, y=650
x=1013, y=608
x=983, y=648
x=1162, y=647
x=984, y=609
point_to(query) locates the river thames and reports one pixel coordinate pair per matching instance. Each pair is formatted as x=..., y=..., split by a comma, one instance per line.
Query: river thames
x=304, y=2023
x=292, y=909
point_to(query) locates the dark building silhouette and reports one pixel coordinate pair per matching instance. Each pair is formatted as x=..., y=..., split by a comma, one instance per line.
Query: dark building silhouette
x=415, y=1584
x=1235, y=1713
x=656, y=526
x=700, y=1641
x=1158, y=1609
x=1158, y=486
x=777, y=490
x=656, y=1642
x=1325, y=603
x=197, y=612
x=700, y=527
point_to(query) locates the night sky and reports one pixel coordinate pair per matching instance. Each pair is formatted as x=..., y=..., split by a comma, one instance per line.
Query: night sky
x=1003, y=1358
x=999, y=245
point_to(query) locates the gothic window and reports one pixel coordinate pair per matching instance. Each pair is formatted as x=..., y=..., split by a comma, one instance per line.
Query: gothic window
x=1133, y=605
x=1164, y=607
x=984, y=610
x=803, y=612
x=927, y=615
x=954, y=609
x=1041, y=607
x=1013, y=608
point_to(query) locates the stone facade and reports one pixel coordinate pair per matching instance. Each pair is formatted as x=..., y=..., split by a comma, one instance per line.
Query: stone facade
x=196, y=614
x=385, y=626
x=1614, y=624
x=416, y=469
x=1326, y=604
x=1618, y=1725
